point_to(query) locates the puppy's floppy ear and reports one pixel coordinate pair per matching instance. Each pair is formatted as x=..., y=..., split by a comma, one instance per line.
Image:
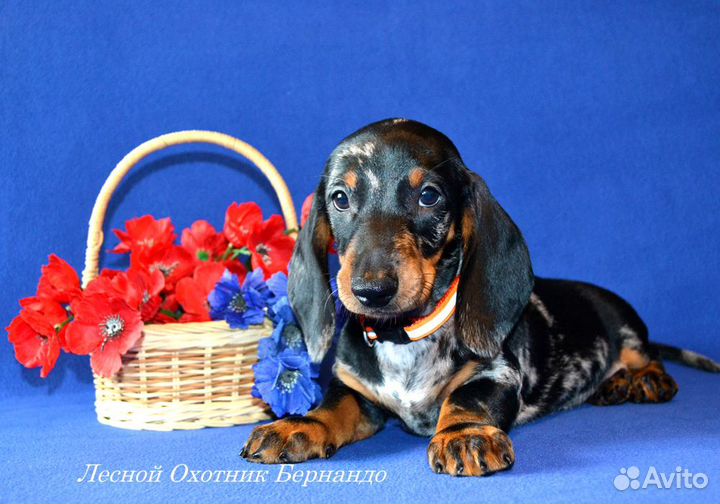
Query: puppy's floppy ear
x=496, y=278
x=309, y=280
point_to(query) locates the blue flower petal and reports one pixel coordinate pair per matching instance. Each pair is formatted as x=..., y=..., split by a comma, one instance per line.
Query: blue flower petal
x=267, y=347
x=278, y=284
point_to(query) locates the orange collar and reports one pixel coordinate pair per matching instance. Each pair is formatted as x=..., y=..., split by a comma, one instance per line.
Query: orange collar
x=425, y=326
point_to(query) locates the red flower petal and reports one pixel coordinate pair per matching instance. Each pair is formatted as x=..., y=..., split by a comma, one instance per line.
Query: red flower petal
x=33, y=349
x=27, y=342
x=43, y=315
x=131, y=334
x=124, y=246
x=274, y=255
x=154, y=282
x=89, y=332
x=174, y=263
x=275, y=225
x=82, y=339
x=115, y=287
x=271, y=248
x=190, y=298
x=240, y=221
x=105, y=363
x=51, y=353
x=206, y=276
x=203, y=241
x=149, y=308
x=59, y=281
x=38, y=323
x=103, y=325
x=192, y=293
x=110, y=273
x=192, y=317
x=145, y=234
x=138, y=287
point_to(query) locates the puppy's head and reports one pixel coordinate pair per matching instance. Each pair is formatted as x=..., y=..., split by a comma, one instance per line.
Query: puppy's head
x=397, y=199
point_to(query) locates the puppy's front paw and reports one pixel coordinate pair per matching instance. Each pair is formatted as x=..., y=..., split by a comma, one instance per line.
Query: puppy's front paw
x=288, y=441
x=470, y=450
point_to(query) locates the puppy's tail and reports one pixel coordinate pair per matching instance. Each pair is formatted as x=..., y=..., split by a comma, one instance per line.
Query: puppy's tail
x=687, y=357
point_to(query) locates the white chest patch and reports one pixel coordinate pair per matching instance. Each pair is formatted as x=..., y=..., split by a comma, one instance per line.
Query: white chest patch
x=414, y=375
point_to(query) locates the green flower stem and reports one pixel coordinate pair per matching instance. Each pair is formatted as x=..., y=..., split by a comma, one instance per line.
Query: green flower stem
x=62, y=326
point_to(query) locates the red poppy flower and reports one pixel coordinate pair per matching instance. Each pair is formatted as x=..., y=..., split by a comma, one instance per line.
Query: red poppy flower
x=106, y=328
x=138, y=287
x=113, y=283
x=203, y=241
x=173, y=262
x=152, y=285
x=145, y=234
x=240, y=221
x=192, y=293
x=110, y=273
x=59, y=281
x=271, y=248
x=38, y=333
x=166, y=314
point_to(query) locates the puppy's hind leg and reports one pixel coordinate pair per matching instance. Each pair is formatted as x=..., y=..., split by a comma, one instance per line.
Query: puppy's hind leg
x=614, y=390
x=651, y=384
x=641, y=377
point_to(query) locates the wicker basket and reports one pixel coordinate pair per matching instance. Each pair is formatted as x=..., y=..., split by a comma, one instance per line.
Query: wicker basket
x=182, y=376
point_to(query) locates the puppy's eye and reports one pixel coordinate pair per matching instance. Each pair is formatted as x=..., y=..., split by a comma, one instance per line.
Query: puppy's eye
x=340, y=200
x=429, y=197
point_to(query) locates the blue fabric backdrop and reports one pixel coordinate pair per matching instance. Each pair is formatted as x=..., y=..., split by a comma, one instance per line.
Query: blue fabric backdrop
x=596, y=125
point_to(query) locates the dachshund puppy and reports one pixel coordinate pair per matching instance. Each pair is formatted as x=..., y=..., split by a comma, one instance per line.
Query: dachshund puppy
x=449, y=330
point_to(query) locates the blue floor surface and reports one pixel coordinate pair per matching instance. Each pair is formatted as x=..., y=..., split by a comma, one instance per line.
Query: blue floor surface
x=570, y=457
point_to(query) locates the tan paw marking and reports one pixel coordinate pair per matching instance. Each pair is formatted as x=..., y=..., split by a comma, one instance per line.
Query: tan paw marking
x=287, y=441
x=470, y=450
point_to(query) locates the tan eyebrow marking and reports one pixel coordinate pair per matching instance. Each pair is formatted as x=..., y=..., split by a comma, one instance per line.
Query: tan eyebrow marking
x=351, y=179
x=416, y=177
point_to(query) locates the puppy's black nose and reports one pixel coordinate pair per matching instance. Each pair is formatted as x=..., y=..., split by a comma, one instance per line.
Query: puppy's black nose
x=375, y=293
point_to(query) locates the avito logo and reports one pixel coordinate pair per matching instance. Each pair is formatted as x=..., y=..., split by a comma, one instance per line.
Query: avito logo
x=629, y=478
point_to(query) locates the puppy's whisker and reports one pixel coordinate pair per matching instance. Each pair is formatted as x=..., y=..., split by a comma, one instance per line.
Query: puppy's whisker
x=330, y=296
x=447, y=160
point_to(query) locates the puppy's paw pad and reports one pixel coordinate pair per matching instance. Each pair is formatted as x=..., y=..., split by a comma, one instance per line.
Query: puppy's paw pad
x=470, y=450
x=288, y=441
x=614, y=390
x=652, y=384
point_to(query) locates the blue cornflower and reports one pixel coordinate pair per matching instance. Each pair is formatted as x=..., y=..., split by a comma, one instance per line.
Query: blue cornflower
x=285, y=377
x=240, y=306
x=256, y=288
x=281, y=312
x=289, y=336
x=286, y=382
x=278, y=285
x=267, y=347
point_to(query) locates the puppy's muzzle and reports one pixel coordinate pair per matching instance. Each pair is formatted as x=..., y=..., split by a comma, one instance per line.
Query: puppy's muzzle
x=375, y=293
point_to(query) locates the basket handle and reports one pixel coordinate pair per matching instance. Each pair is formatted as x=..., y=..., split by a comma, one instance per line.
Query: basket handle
x=95, y=233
